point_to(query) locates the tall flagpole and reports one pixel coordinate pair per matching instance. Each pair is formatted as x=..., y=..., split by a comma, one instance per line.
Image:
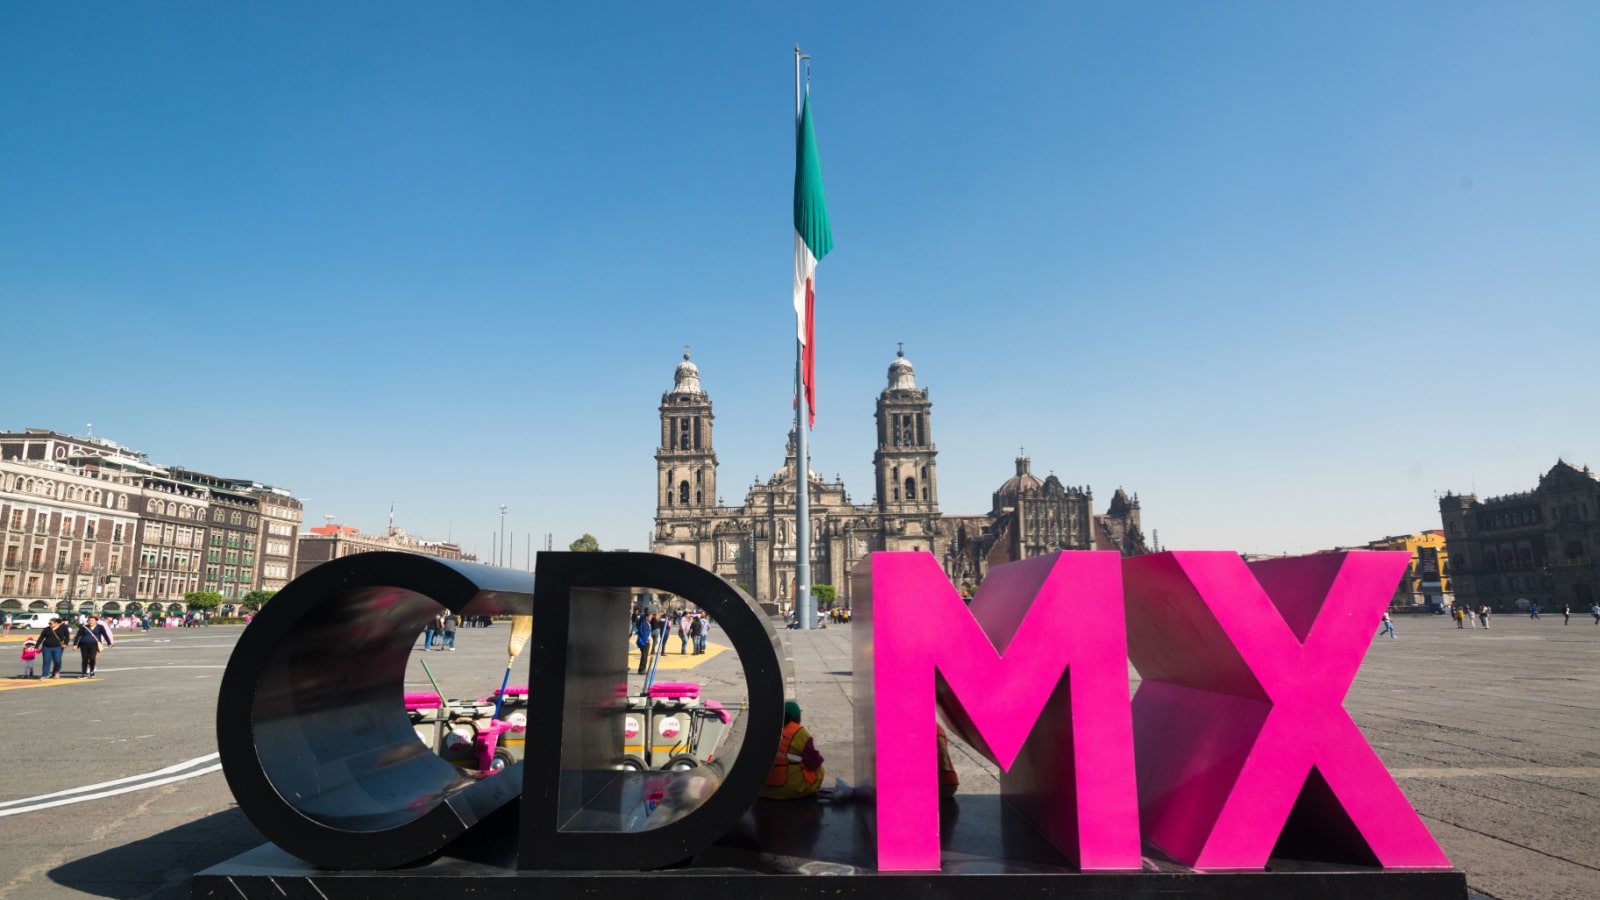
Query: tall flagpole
x=804, y=606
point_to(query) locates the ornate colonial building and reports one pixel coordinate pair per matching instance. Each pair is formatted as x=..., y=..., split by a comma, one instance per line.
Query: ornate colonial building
x=754, y=544
x=91, y=525
x=1540, y=546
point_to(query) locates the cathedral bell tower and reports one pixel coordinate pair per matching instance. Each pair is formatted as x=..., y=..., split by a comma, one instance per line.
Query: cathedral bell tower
x=905, y=461
x=686, y=464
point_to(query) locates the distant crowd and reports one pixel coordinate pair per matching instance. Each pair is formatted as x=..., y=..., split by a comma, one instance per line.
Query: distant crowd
x=649, y=631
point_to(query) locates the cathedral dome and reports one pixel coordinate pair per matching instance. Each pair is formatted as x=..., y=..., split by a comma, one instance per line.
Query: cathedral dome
x=902, y=377
x=1022, y=481
x=686, y=379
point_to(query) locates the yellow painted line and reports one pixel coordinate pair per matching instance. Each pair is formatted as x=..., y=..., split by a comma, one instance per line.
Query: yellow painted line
x=672, y=659
x=15, y=683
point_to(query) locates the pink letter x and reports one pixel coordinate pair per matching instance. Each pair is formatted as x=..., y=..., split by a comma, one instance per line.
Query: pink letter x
x=1240, y=713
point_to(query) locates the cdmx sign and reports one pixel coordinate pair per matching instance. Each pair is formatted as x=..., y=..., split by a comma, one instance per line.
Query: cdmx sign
x=1235, y=746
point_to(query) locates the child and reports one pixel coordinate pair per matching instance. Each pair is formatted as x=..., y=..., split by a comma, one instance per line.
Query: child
x=29, y=651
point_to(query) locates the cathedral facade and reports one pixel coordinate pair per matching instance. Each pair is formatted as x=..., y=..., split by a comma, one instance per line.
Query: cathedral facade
x=755, y=545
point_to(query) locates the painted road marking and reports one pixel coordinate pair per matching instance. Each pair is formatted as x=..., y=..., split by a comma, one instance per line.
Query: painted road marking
x=17, y=683
x=674, y=660
x=127, y=785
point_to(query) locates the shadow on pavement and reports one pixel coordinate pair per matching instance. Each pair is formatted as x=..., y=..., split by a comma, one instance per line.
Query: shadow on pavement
x=160, y=866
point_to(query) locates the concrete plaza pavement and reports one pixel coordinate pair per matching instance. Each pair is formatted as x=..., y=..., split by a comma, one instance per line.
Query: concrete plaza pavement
x=1494, y=736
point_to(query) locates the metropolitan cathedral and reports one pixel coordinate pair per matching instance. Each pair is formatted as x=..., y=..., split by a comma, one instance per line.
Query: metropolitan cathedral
x=754, y=545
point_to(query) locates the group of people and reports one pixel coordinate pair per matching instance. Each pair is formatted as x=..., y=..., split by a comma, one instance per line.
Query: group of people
x=142, y=621
x=48, y=648
x=650, y=629
x=1466, y=617
x=440, y=634
x=1566, y=613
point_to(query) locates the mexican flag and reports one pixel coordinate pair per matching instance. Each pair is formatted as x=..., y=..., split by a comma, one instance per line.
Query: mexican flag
x=812, y=241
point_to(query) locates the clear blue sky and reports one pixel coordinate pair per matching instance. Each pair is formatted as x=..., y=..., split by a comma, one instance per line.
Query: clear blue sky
x=1285, y=271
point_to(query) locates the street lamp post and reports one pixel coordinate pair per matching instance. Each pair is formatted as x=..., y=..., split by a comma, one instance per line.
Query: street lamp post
x=755, y=593
x=502, y=541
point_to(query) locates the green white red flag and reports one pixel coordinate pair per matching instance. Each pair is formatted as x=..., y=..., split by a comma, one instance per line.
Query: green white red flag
x=812, y=241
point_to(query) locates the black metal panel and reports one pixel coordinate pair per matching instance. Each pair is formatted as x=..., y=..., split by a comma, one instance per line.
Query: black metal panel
x=575, y=815
x=990, y=853
x=311, y=724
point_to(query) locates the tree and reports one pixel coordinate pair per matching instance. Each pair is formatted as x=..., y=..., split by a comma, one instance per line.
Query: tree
x=825, y=594
x=585, y=544
x=202, y=600
x=256, y=599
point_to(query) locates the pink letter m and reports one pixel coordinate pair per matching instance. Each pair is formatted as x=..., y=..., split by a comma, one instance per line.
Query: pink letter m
x=1034, y=675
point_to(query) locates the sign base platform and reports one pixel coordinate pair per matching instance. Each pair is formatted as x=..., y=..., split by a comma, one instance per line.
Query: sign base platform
x=989, y=853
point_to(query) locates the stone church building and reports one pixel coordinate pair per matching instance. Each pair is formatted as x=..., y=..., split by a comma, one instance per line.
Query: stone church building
x=755, y=545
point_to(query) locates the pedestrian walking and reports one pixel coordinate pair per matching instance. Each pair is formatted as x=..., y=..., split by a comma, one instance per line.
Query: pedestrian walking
x=449, y=641
x=434, y=626
x=92, y=638
x=1483, y=616
x=1388, y=627
x=30, y=650
x=53, y=643
x=1566, y=614
x=7, y=628
x=1455, y=613
x=1596, y=610
x=641, y=639
x=697, y=632
x=1533, y=611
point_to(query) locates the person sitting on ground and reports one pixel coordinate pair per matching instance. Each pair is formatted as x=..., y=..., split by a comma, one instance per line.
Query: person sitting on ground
x=797, y=768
